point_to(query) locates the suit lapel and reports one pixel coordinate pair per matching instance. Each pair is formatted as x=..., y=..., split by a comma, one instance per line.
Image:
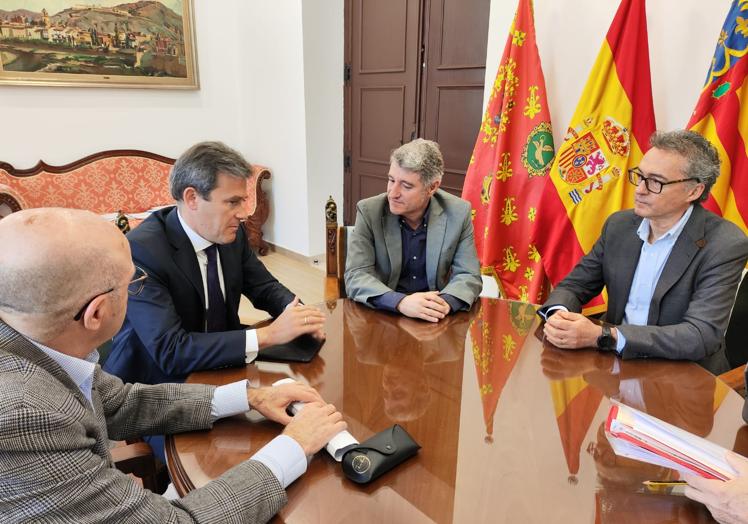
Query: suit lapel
x=688, y=244
x=437, y=229
x=394, y=243
x=630, y=249
x=15, y=343
x=184, y=253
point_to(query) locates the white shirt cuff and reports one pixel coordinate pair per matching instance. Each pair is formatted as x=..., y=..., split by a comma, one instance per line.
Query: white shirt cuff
x=251, y=346
x=620, y=342
x=552, y=309
x=229, y=400
x=284, y=457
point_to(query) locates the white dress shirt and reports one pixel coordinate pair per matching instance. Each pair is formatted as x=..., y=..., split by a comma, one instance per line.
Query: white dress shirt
x=282, y=455
x=199, y=244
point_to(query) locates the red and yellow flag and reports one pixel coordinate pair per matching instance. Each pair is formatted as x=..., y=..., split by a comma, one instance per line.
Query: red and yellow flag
x=498, y=335
x=575, y=403
x=720, y=118
x=608, y=135
x=508, y=169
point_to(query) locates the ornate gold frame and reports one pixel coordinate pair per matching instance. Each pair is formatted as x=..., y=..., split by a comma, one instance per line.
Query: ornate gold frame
x=121, y=81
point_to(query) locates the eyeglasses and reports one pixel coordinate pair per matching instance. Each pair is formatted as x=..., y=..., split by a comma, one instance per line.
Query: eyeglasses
x=636, y=177
x=134, y=287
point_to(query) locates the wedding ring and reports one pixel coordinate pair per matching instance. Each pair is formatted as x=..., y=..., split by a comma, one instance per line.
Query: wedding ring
x=305, y=321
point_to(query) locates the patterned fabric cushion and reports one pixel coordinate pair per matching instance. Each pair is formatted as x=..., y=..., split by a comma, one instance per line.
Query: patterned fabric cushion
x=131, y=184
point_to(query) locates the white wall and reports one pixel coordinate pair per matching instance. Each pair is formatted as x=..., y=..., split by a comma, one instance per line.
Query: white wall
x=60, y=125
x=270, y=86
x=323, y=74
x=682, y=38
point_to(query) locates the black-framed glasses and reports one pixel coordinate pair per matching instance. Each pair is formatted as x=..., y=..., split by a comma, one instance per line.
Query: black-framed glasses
x=636, y=177
x=134, y=287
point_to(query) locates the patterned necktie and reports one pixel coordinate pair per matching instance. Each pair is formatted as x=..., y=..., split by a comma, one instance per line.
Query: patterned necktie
x=216, y=318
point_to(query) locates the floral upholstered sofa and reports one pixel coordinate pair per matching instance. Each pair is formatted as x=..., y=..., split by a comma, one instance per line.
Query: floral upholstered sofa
x=114, y=183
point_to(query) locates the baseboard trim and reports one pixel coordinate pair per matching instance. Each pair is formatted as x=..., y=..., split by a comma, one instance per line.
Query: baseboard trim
x=314, y=261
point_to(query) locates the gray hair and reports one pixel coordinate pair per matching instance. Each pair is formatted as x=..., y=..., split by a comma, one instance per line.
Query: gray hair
x=422, y=157
x=199, y=166
x=702, y=159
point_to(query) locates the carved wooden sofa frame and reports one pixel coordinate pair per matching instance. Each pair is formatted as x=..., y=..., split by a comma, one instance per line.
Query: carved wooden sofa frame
x=126, y=180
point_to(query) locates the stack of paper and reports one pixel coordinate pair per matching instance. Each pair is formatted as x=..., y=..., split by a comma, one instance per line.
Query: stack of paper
x=639, y=436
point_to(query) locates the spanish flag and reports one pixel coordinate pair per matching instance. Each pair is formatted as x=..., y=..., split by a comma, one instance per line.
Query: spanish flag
x=720, y=119
x=608, y=134
x=509, y=166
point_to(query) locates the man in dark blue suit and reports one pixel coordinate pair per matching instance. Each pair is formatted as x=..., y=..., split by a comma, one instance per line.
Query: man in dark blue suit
x=199, y=264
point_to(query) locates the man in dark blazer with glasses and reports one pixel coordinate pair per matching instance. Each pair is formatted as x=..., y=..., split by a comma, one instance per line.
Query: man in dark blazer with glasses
x=670, y=267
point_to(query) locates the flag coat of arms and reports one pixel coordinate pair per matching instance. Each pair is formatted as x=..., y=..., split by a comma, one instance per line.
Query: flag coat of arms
x=508, y=168
x=608, y=134
x=720, y=118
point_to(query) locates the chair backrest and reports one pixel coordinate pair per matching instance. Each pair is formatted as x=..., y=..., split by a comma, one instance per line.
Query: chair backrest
x=736, y=338
x=336, y=249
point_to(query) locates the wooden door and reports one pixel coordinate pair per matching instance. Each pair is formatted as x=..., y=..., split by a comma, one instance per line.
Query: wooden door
x=456, y=34
x=413, y=68
x=384, y=76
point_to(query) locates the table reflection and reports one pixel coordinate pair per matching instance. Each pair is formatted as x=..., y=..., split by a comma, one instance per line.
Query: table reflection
x=511, y=428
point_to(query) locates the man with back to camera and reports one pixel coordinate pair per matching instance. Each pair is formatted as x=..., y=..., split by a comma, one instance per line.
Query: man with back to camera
x=671, y=268
x=186, y=318
x=412, y=249
x=61, y=296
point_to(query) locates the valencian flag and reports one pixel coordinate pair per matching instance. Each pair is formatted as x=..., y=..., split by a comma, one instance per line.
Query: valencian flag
x=608, y=135
x=575, y=403
x=508, y=169
x=498, y=335
x=720, y=119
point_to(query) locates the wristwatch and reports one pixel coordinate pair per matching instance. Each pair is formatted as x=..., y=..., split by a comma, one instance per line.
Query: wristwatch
x=606, y=342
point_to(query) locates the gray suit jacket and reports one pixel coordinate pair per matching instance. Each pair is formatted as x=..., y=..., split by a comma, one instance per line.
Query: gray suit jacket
x=374, y=257
x=55, y=464
x=690, y=308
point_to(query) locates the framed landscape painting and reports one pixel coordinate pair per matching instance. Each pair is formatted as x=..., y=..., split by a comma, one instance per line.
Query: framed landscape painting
x=106, y=43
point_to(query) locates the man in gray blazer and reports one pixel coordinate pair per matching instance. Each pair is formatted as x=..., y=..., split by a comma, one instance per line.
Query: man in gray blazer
x=412, y=249
x=65, y=277
x=671, y=268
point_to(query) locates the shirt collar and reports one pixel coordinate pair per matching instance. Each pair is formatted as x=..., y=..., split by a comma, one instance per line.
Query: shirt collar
x=673, y=233
x=80, y=370
x=424, y=222
x=198, y=242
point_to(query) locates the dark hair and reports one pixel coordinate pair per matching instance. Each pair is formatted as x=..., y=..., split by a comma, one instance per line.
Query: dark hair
x=200, y=165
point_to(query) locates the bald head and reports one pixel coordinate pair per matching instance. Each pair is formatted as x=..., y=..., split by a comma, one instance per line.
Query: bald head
x=54, y=260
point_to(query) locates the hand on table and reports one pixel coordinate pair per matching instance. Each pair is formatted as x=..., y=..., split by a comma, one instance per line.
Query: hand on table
x=314, y=426
x=726, y=501
x=272, y=401
x=568, y=330
x=427, y=305
x=297, y=319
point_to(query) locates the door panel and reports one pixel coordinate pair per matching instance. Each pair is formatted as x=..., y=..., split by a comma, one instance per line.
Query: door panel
x=384, y=87
x=417, y=68
x=456, y=34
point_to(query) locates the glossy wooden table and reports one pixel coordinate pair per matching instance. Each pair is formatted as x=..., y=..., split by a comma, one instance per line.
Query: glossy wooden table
x=511, y=430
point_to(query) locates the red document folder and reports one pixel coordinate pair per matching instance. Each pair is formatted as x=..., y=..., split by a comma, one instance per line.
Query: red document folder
x=636, y=435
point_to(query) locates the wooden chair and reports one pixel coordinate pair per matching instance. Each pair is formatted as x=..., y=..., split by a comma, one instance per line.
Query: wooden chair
x=735, y=341
x=336, y=238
